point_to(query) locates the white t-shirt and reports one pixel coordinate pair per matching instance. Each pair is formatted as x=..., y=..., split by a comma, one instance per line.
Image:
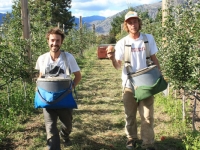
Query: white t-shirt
x=46, y=65
x=138, y=53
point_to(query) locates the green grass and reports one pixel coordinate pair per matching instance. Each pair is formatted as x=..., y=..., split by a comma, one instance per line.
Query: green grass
x=98, y=123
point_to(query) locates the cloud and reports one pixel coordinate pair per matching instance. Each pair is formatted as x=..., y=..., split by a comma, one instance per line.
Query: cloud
x=85, y=8
x=97, y=7
x=104, y=7
x=5, y=6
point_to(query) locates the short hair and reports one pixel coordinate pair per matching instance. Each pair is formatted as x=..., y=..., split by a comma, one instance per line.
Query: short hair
x=126, y=28
x=55, y=30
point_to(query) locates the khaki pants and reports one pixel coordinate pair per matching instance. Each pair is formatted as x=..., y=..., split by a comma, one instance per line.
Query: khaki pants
x=146, y=111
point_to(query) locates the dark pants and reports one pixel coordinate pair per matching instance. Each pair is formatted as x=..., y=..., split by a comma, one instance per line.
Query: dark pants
x=50, y=117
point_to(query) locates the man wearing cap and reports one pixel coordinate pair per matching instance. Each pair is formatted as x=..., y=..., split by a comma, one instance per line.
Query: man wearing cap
x=133, y=24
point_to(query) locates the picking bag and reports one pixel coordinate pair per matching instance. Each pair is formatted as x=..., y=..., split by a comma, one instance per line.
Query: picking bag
x=147, y=81
x=143, y=92
x=54, y=100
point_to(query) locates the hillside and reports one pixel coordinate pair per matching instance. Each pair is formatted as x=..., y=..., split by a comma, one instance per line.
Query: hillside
x=90, y=19
x=103, y=27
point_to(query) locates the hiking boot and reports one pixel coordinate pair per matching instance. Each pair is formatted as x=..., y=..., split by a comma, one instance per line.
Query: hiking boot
x=131, y=144
x=53, y=143
x=65, y=138
x=67, y=142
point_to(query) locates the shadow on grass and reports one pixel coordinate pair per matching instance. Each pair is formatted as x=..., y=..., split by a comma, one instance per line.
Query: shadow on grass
x=26, y=134
x=99, y=102
x=7, y=144
x=98, y=126
x=10, y=144
x=170, y=144
x=82, y=142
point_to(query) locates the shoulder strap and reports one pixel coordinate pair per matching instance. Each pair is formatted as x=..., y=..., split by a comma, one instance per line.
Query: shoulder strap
x=68, y=71
x=127, y=62
x=149, y=62
x=127, y=54
x=64, y=57
x=45, y=62
x=146, y=43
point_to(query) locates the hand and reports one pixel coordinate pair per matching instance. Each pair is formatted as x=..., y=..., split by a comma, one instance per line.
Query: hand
x=110, y=52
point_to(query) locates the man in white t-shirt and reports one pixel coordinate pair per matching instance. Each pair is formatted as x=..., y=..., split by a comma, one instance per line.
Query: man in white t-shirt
x=51, y=64
x=132, y=25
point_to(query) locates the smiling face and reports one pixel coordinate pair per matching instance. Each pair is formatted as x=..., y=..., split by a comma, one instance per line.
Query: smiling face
x=133, y=25
x=55, y=42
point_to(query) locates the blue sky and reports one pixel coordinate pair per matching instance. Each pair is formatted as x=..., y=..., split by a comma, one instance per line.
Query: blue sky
x=85, y=8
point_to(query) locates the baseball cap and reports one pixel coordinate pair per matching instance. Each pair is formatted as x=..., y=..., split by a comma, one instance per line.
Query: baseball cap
x=131, y=14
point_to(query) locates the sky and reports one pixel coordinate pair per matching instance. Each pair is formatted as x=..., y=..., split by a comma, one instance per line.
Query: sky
x=87, y=8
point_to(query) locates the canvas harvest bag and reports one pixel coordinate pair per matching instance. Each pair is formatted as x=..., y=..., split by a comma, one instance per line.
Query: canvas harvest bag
x=55, y=93
x=145, y=82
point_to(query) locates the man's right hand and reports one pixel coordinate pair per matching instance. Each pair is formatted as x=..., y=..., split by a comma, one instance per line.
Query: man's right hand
x=111, y=55
x=110, y=52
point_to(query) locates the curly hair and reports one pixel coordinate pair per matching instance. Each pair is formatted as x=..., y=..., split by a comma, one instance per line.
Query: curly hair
x=126, y=28
x=55, y=30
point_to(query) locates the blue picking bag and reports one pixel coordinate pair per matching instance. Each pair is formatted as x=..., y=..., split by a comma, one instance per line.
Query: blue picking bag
x=54, y=99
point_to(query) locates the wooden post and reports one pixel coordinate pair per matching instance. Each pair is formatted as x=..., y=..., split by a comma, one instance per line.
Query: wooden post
x=80, y=28
x=25, y=19
x=80, y=22
x=93, y=28
x=93, y=34
x=183, y=105
x=194, y=112
x=164, y=13
x=122, y=25
x=26, y=29
x=64, y=28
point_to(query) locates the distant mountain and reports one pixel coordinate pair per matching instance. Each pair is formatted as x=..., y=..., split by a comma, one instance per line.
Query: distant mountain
x=1, y=18
x=90, y=19
x=85, y=20
x=104, y=26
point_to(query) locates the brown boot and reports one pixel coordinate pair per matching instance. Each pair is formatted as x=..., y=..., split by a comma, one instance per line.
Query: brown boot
x=132, y=144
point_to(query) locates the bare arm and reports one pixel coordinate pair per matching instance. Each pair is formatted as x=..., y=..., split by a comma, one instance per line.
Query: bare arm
x=155, y=61
x=111, y=55
x=77, y=78
x=116, y=63
x=40, y=75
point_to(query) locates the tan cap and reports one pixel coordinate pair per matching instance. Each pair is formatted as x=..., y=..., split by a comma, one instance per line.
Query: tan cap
x=131, y=14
